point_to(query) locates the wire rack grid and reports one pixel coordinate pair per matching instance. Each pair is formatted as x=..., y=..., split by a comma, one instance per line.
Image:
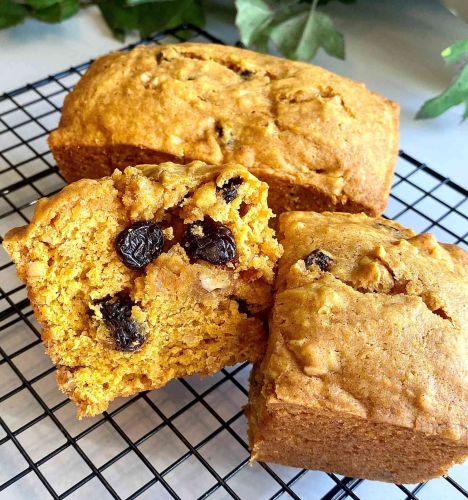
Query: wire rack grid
x=187, y=440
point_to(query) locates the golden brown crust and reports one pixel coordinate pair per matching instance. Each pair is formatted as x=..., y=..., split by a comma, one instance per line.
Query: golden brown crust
x=291, y=123
x=373, y=338
x=345, y=445
x=189, y=310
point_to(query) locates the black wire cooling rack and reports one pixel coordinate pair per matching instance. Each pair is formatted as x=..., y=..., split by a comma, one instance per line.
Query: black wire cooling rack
x=187, y=440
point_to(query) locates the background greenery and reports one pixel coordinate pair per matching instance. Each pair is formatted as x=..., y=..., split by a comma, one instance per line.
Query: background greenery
x=297, y=28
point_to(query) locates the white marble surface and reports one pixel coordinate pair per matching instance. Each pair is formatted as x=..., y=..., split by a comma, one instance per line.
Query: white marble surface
x=392, y=46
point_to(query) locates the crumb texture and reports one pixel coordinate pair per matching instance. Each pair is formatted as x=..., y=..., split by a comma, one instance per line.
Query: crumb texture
x=113, y=329
x=320, y=140
x=368, y=351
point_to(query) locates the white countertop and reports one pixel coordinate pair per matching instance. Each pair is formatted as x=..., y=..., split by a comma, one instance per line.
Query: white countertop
x=394, y=47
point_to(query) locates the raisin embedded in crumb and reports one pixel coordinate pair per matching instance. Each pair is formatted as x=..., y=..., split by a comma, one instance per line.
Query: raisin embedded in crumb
x=224, y=134
x=139, y=244
x=160, y=57
x=229, y=188
x=210, y=241
x=126, y=333
x=246, y=74
x=321, y=260
x=219, y=129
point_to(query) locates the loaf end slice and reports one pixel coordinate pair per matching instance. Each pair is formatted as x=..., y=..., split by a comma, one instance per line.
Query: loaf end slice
x=366, y=368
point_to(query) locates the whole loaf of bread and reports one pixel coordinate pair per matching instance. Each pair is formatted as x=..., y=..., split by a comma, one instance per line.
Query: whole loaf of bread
x=321, y=141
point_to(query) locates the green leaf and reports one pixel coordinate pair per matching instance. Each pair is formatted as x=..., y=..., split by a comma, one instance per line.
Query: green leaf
x=150, y=17
x=301, y=31
x=41, y=4
x=456, y=93
x=456, y=52
x=252, y=19
x=295, y=26
x=11, y=13
x=58, y=11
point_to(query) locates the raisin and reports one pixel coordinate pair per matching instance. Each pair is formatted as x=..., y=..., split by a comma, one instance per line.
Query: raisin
x=229, y=189
x=321, y=260
x=126, y=333
x=225, y=135
x=210, y=241
x=160, y=58
x=246, y=74
x=219, y=129
x=139, y=244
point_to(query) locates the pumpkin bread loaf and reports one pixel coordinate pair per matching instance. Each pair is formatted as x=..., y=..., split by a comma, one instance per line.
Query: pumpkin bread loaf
x=149, y=274
x=321, y=141
x=366, y=372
